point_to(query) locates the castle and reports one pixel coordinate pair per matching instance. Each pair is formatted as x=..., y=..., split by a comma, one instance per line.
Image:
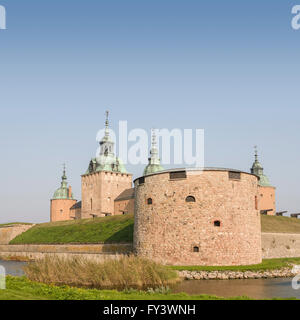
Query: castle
x=182, y=216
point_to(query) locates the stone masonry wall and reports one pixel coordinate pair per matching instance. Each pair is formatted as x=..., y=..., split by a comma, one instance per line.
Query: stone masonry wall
x=280, y=245
x=60, y=209
x=9, y=233
x=267, y=199
x=91, y=251
x=169, y=229
x=100, y=189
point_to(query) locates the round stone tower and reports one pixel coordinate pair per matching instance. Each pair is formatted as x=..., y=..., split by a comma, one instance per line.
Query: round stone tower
x=62, y=201
x=198, y=217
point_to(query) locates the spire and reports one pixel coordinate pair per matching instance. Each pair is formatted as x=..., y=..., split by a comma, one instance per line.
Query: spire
x=64, y=182
x=154, y=161
x=256, y=155
x=258, y=170
x=107, y=124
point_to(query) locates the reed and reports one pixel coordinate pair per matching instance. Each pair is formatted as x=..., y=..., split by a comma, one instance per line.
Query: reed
x=124, y=273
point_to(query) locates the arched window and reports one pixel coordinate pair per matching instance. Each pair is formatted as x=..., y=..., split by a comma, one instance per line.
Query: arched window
x=217, y=223
x=196, y=249
x=190, y=199
x=149, y=201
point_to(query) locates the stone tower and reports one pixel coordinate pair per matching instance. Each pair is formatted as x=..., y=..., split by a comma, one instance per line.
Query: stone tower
x=62, y=201
x=105, y=179
x=154, y=161
x=266, y=200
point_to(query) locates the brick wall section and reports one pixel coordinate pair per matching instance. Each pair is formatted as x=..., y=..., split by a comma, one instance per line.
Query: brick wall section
x=9, y=233
x=124, y=206
x=267, y=199
x=169, y=229
x=60, y=209
x=100, y=189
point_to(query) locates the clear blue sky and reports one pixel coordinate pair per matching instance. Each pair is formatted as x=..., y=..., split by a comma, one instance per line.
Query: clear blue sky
x=230, y=67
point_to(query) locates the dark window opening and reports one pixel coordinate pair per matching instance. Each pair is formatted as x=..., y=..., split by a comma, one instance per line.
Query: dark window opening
x=142, y=180
x=91, y=204
x=196, y=249
x=149, y=201
x=234, y=175
x=190, y=199
x=256, y=203
x=178, y=175
x=217, y=223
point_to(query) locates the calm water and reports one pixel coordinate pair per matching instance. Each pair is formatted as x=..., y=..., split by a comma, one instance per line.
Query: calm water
x=255, y=288
x=13, y=268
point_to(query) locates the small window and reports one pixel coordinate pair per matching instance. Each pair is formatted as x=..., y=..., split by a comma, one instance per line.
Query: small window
x=196, y=249
x=149, y=201
x=142, y=180
x=233, y=175
x=256, y=203
x=217, y=223
x=190, y=199
x=177, y=175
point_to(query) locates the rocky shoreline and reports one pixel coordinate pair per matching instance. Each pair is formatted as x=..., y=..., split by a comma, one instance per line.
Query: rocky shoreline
x=229, y=275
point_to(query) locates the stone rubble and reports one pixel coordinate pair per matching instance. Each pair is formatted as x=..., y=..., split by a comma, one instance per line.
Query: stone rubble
x=226, y=275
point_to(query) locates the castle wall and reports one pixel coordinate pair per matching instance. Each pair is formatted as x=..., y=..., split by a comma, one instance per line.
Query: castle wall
x=124, y=206
x=267, y=199
x=100, y=189
x=8, y=233
x=60, y=209
x=173, y=231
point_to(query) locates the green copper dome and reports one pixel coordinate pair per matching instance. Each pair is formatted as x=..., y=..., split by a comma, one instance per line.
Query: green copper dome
x=106, y=160
x=258, y=170
x=63, y=191
x=154, y=161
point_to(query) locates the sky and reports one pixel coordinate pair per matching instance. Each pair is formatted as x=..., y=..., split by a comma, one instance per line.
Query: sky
x=228, y=67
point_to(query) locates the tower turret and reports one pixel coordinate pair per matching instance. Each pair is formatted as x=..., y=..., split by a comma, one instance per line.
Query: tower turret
x=154, y=161
x=258, y=170
x=106, y=160
x=62, y=201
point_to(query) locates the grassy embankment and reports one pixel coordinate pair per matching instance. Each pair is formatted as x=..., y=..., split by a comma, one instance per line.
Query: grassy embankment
x=273, y=224
x=20, y=288
x=118, y=229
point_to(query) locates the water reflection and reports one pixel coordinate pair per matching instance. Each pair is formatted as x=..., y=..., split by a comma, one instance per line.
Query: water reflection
x=254, y=288
x=13, y=268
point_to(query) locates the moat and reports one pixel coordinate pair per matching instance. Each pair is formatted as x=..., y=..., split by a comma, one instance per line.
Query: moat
x=254, y=288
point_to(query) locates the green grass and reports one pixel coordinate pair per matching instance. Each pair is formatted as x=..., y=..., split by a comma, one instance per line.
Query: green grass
x=117, y=229
x=273, y=224
x=23, y=289
x=267, y=264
